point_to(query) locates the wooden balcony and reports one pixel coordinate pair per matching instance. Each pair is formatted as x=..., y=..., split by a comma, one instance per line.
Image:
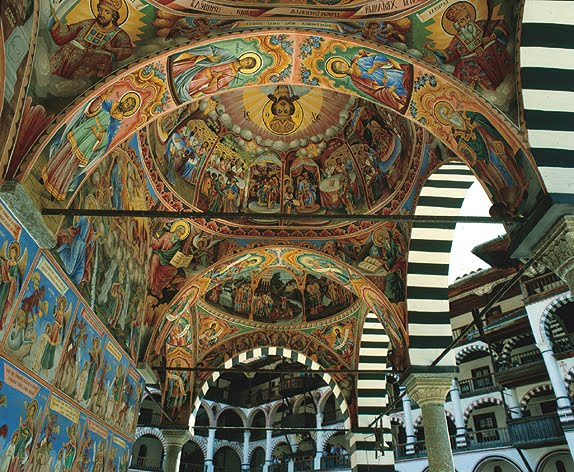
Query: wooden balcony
x=149, y=418
x=147, y=464
x=526, y=366
x=475, y=440
x=477, y=386
x=538, y=431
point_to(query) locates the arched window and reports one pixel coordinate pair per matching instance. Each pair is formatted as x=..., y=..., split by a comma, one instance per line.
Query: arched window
x=142, y=451
x=497, y=469
x=560, y=467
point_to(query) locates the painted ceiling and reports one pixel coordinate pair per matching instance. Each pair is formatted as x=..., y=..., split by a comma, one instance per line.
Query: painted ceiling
x=315, y=107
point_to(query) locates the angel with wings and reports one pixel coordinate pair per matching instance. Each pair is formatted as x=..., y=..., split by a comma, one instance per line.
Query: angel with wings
x=62, y=312
x=12, y=266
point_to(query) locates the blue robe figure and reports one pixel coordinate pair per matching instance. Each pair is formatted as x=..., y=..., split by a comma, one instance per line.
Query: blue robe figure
x=74, y=253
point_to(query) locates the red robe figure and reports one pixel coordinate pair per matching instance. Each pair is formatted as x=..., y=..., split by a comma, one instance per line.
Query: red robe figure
x=90, y=47
x=478, y=49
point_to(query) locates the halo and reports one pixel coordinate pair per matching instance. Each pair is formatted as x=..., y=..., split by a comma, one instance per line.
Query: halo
x=380, y=237
x=15, y=244
x=448, y=25
x=438, y=116
x=181, y=224
x=329, y=66
x=136, y=97
x=256, y=67
x=123, y=11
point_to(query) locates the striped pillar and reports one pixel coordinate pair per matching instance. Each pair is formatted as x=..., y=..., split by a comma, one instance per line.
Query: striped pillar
x=372, y=398
x=547, y=74
x=428, y=263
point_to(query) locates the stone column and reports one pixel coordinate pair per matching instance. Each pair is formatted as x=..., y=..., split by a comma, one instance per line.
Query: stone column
x=458, y=415
x=210, y=449
x=429, y=391
x=268, y=460
x=562, y=398
x=13, y=195
x=511, y=400
x=246, y=438
x=556, y=250
x=319, y=441
x=174, y=439
x=557, y=381
x=409, y=424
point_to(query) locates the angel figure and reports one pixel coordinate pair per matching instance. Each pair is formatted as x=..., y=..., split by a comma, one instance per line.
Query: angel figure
x=12, y=266
x=62, y=312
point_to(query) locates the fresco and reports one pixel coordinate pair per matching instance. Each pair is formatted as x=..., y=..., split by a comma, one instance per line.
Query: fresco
x=235, y=63
x=16, y=256
x=178, y=384
x=81, y=358
x=109, y=253
x=42, y=320
x=333, y=9
x=58, y=441
x=16, y=49
x=275, y=296
x=277, y=60
x=96, y=128
x=108, y=383
x=479, y=52
x=93, y=446
x=119, y=454
x=22, y=403
x=506, y=173
x=128, y=409
x=328, y=289
x=213, y=163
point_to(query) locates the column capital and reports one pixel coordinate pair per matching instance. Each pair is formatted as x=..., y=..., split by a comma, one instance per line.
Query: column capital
x=176, y=437
x=428, y=389
x=556, y=250
x=13, y=195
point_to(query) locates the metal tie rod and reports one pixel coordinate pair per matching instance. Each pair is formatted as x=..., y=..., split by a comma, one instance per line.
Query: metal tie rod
x=210, y=215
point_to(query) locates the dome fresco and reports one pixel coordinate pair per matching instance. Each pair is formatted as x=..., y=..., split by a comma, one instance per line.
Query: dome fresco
x=235, y=153
x=280, y=296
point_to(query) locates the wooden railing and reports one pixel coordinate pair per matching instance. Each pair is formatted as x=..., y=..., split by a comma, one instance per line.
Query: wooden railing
x=188, y=467
x=486, y=439
x=524, y=358
x=149, y=418
x=477, y=385
x=536, y=431
x=335, y=462
x=146, y=463
x=542, y=284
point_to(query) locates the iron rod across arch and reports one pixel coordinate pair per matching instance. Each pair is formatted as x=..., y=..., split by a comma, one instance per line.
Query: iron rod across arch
x=244, y=370
x=210, y=215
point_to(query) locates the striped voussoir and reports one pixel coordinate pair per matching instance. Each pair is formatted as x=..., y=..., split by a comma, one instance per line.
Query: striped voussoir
x=547, y=74
x=550, y=328
x=371, y=399
x=289, y=354
x=545, y=389
x=428, y=263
